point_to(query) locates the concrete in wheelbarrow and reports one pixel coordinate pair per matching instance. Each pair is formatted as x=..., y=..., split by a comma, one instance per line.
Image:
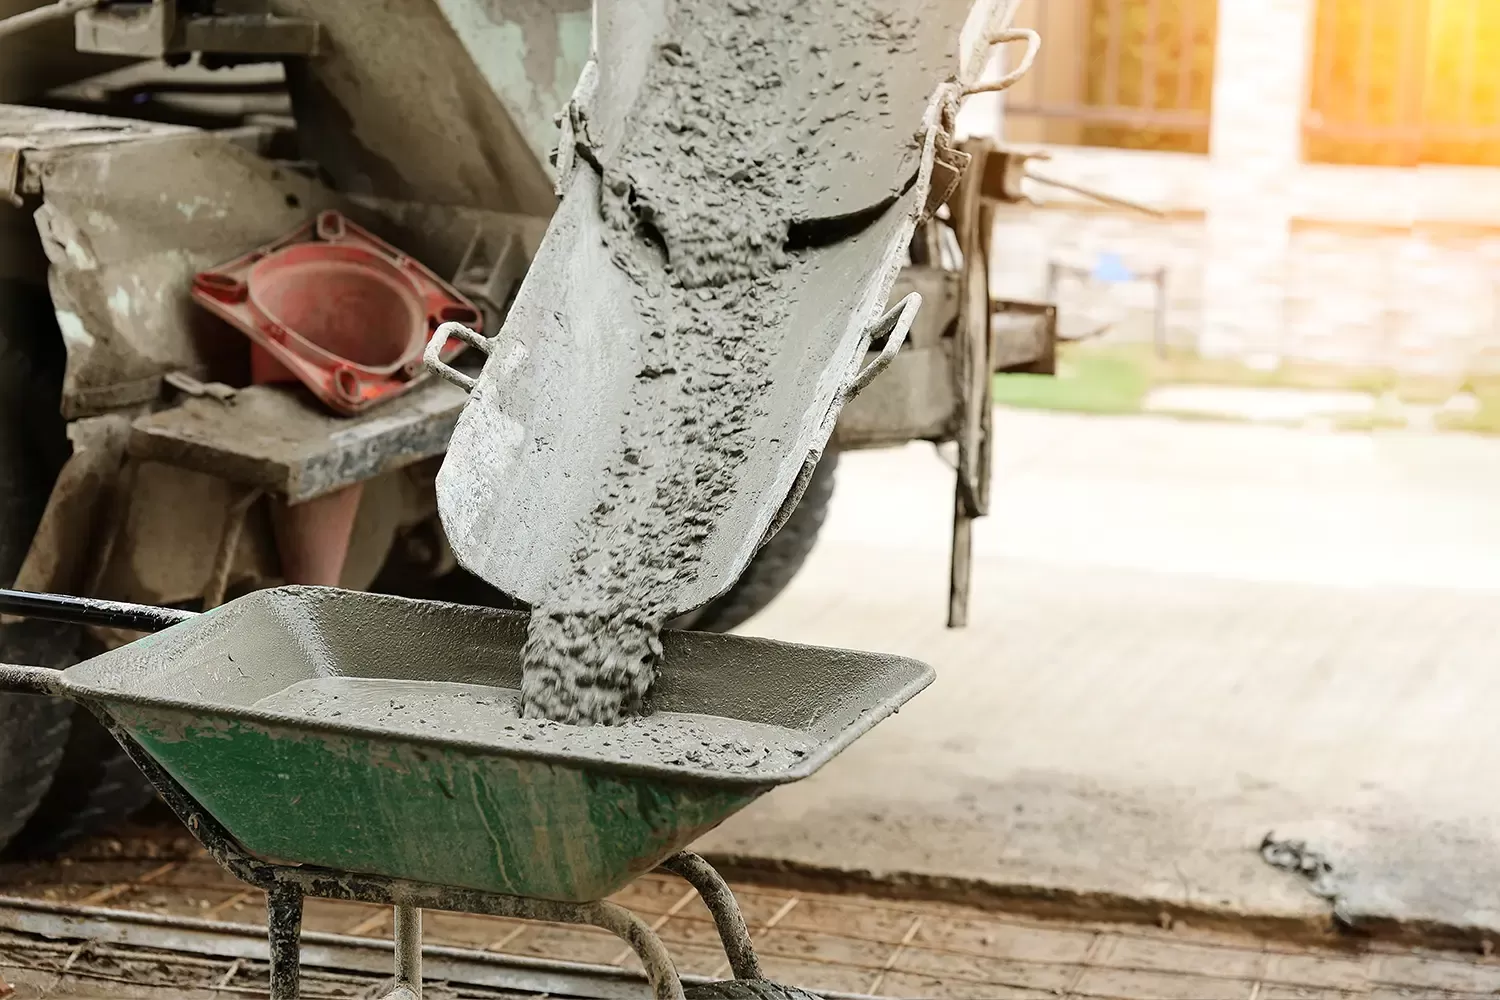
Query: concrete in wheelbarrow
x=1185, y=636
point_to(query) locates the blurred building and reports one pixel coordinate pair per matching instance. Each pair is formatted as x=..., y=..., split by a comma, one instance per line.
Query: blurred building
x=1328, y=169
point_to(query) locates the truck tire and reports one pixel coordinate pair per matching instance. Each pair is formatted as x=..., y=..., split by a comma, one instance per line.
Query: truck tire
x=33, y=735
x=767, y=575
x=61, y=775
x=776, y=563
x=33, y=445
x=94, y=787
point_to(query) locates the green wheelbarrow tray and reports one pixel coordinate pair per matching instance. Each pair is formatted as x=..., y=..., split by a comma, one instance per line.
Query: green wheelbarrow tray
x=372, y=734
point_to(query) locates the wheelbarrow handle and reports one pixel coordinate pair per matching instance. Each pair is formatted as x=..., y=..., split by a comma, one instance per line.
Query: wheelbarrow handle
x=16, y=679
x=90, y=611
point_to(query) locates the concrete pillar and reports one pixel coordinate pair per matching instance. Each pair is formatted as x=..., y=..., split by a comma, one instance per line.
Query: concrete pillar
x=1260, y=72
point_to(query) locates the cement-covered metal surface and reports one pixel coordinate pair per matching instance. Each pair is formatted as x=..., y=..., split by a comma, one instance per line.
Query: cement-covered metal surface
x=123, y=249
x=279, y=439
x=447, y=101
x=869, y=72
x=530, y=434
x=604, y=371
x=293, y=697
x=239, y=660
x=1185, y=636
x=123, y=253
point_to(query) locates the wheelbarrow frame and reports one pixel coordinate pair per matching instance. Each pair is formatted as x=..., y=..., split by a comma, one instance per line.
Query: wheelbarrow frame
x=287, y=886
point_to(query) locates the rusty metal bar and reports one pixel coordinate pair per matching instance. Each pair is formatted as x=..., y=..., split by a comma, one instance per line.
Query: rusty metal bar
x=115, y=890
x=984, y=464
x=895, y=955
x=1097, y=195
x=659, y=920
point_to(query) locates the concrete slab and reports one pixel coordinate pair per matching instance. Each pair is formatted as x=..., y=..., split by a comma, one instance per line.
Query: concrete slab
x=834, y=945
x=1186, y=636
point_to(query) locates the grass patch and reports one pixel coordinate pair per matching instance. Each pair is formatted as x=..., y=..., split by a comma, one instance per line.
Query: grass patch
x=1376, y=421
x=1426, y=390
x=1177, y=366
x=1485, y=419
x=1116, y=378
x=1084, y=383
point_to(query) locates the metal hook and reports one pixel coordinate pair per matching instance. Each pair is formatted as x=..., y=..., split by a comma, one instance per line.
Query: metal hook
x=439, y=340
x=1033, y=46
x=898, y=320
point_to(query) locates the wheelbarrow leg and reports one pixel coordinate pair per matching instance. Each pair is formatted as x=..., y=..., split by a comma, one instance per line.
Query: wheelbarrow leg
x=284, y=927
x=408, y=954
x=719, y=899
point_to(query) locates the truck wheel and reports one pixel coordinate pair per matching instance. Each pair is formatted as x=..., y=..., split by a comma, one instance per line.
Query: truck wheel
x=33, y=735
x=94, y=787
x=767, y=575
x=33, y=445
x=775, y=564
x=60, y=773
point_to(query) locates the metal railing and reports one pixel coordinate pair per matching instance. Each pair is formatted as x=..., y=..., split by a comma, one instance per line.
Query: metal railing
x=1404, y=82
x=1131, y=73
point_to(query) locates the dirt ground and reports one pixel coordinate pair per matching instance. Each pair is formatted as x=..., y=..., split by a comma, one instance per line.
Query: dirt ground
x=1184, y=636
x=841, y=943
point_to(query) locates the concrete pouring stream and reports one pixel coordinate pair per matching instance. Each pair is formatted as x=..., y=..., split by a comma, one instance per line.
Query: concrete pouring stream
x=698, y=204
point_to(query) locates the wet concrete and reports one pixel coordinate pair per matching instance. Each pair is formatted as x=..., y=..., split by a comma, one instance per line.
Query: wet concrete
x=681, y=344
x=1185, y=636
x=698, y=220
x=699, y=199
x=491, y=716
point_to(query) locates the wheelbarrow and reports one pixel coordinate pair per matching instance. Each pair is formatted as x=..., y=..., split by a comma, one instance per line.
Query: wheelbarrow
x=328, y=743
